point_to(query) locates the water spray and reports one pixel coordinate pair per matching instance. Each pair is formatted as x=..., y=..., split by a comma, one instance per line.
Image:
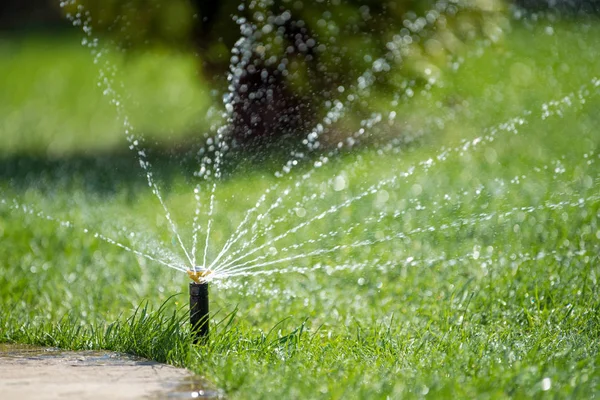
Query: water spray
x=199, y=311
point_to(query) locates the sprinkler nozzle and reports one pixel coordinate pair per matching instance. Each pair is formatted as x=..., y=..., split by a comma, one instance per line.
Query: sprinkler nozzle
x=199, y=276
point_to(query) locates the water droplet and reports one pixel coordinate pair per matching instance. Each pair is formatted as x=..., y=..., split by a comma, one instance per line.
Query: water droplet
x=546, y=384
x=339, y=183
x=382, y=197
x=300, y=212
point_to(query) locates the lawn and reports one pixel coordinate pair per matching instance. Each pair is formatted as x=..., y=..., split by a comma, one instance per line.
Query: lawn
x=462, y=264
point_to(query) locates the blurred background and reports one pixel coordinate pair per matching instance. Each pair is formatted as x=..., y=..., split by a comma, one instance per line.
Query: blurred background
x=173, y=58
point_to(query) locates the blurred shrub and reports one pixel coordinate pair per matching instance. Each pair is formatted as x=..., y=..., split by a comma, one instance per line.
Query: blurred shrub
x=292, y=60
x=571, y=7
x=285, y=63
x=135, y=23
x=18, y=15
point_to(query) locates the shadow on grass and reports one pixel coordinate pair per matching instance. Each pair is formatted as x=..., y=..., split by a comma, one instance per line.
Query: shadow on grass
x=112, y=171
x=100, y=173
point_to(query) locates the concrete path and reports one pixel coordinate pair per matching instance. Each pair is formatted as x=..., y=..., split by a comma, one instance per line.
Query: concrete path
x=28, y=372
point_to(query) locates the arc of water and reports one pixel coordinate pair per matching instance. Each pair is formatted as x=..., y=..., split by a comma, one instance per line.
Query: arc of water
x=134, y=144
x=170, y=220
x=239, y=232
x=181, y=243
x=137, y=252
x=320, y=216
x=371, y=190
x=301, y=270
x=195, y=225
x=292, y=247
x=344, y=231
x=482, y=217
x=279, y=202
x=478, y=193
x=549, y=108
x=349, y=142
x=68, y=224
x=209, y=224
x=244, y=47
x=232, y=240
x=337, y=111
x=387, y=266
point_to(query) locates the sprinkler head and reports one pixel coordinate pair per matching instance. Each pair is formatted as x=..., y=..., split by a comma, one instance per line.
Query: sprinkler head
x=199, y=311
x=200, y=275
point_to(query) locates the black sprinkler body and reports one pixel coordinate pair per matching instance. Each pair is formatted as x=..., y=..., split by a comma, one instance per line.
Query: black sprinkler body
x=199, y=317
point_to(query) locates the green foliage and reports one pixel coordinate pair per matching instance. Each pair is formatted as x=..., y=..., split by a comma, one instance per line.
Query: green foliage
x=136, y=22
x=318, y=47
x=348, y=36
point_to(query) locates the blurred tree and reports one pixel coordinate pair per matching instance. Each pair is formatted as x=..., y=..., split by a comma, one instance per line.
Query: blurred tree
x=288, y=61
x=576, y=7
x=135, y=23
x=31, y=14
x=285, y=63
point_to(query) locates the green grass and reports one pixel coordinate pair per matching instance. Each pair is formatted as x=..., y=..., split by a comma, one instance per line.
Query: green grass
x=482, y=296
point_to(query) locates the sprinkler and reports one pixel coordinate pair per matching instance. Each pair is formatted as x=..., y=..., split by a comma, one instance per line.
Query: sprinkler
x=199, y=303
